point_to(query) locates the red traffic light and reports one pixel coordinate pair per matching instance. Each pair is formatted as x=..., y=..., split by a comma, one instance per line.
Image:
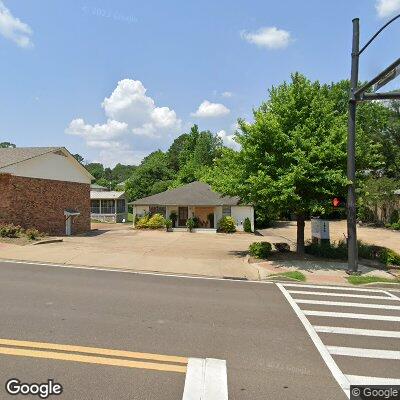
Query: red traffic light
x=338, y=201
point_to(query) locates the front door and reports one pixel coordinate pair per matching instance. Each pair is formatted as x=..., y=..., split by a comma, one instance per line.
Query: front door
x=182, y=216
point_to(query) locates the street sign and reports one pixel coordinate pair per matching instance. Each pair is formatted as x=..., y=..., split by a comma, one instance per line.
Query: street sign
x=387, y=78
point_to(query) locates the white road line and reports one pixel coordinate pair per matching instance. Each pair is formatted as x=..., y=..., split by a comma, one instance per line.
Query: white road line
x=371, y=380
x=206, y=379
x=335, y=370
x=351, y=315
x=393, y=296
x=332, y=287
x=364, y=353
x=347, y=304
x=359, y=332
x=127, y=271
x=358, y=296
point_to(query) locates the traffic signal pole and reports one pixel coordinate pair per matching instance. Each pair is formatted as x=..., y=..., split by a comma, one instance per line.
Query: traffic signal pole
x=351, y=153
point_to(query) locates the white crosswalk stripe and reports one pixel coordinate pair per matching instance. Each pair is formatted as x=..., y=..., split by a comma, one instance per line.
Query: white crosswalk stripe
x=351, y=326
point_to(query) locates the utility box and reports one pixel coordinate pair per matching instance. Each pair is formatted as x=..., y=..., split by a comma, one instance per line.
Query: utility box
x=319, y=230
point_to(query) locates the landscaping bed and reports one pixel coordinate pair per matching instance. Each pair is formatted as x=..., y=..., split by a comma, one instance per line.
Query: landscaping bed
x=14, y=234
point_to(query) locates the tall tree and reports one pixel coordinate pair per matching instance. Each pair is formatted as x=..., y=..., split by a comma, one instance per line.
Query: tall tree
x=293, y=155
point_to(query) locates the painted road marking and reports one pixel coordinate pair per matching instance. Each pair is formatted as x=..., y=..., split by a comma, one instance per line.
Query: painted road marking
x=360, y=332
x=91, y=359
x=206, y=379
x=351, y=315
x=392, y=295
x=365, y=353
x=332, y=287
x=93, y=350
x=323, y=351
x=368, y=380
x=359, y=296
x=347, y=304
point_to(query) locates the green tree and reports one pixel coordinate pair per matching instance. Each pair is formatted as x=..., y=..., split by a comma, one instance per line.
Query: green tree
x=96, y=169
x=293, y=156
x=142, y=182
x=6, y=145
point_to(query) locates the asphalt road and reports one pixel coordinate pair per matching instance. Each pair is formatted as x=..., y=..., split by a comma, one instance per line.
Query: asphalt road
x=252, y=326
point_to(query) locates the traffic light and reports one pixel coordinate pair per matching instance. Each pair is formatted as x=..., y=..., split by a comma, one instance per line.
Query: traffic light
x=338, y=202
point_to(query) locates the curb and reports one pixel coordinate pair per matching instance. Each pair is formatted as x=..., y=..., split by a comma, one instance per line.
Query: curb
x=46, y=241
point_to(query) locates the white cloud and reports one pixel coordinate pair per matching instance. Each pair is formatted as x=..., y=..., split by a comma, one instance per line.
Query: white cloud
x=269, y=37
x=228, y=140
x=226, y=94
x=133, y=119
x=13, y=28
x=387, y=8
x=210, y=110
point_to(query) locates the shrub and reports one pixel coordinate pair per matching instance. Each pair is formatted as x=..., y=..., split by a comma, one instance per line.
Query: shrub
x=227, y=225
x=142, y=222
x=389, y=257
x=156, y=221
x=32, y=233
x=367, y=251
x=247, y=225
x=395, y=226
x=168, y=224
x=282, y=247
x=394, y=217
x=327, y=250
x=260, y=249
x=190, y=223
x=10, y=230
x=174, y=217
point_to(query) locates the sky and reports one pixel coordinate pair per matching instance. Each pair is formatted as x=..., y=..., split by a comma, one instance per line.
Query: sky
x=114, y=81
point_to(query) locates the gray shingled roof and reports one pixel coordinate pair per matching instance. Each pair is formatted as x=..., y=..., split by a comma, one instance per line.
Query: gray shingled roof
x=192, y=194
x=11, y=156
x=94, y=195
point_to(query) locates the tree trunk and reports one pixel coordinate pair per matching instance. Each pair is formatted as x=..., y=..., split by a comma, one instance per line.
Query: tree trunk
x=300, y=233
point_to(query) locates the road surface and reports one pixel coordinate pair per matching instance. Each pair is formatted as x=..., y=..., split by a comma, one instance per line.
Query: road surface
x=116, y=335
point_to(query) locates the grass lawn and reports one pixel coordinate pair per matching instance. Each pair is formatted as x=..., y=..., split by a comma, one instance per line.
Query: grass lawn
x=298, y=276
x=362, y=280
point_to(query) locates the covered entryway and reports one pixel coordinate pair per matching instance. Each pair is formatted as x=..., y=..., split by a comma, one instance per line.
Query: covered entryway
x=205, y=215
x=182, y=216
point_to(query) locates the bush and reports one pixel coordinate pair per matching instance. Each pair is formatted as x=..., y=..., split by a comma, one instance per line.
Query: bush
x=389, y=257
x=174, y=217
x=366, y=251
x=282, y=247
x=394, y=217
x=168, y=224
x=260, y=249
x=328, y=250
x=227, y=225
x=142, y=222
x=156, y=221
x=190, y=223
x=247, y=225
x=32, y=233
x=10, y=230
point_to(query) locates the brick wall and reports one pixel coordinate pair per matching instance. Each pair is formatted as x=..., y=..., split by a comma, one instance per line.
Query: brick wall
x=40, y=203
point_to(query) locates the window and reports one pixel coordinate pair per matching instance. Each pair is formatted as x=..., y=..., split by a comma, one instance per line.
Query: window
x=158, y=210
x=107, y=207
x=226, y=211
x=95, y=206
x=121, y=206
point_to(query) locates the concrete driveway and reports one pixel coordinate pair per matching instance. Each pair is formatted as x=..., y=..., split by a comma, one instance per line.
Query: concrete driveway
x=119, y=246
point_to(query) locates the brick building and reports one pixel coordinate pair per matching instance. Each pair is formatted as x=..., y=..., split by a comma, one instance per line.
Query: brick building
x=44, y=188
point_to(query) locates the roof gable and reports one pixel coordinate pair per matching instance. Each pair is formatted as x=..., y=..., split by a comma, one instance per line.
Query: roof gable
x=194, y=194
